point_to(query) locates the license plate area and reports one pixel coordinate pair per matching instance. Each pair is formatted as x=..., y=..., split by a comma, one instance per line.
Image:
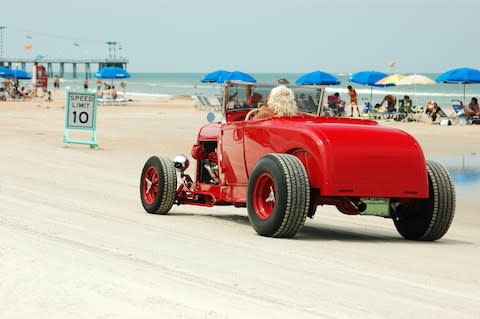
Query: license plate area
x=376, y=206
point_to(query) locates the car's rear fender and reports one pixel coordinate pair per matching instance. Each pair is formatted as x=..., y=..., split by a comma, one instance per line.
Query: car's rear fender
x=351, y=160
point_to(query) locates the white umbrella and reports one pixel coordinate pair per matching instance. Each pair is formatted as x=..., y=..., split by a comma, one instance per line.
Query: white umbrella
x=415, y=79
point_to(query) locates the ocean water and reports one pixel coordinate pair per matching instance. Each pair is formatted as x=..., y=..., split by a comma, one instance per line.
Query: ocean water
x=169, y=84
x=464, y=170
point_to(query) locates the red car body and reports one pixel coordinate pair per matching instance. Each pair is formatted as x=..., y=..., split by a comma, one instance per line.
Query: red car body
x=343, y=157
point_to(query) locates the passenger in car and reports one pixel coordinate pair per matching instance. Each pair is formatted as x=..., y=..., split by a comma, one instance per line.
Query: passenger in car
x=280, y=102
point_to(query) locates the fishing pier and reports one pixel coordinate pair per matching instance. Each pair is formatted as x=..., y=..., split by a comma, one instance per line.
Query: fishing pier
x=61, y=64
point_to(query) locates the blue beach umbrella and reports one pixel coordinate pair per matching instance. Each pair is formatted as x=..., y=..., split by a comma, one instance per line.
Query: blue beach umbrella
x=112, y=73
x=21, y=75
x=213, y=76
x=5, y=72
x=460, y=76
x=317, y=78
x=369, y=78
x=236, y=76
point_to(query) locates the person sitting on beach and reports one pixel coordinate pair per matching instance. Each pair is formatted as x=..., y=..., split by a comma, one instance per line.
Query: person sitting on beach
x=280, y=102
x=6, y=84
x=472, y=108
x=433, y=110
x=3, y=94
x=391, y=102
x=336, y=104
x=20, y=93
x=31, y=93
x=407, y=104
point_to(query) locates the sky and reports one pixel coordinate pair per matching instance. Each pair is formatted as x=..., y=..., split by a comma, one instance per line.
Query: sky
x=251, y=35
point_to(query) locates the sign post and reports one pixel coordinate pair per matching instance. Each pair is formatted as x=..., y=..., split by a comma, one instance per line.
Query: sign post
x=81, y=114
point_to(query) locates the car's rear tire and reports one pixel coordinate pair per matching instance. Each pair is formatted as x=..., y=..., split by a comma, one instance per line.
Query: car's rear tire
x=158, y=185
x=278, y=196
x=429, y=219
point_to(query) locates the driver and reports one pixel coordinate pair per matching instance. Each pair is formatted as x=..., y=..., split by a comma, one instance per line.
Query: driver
x=281, y=102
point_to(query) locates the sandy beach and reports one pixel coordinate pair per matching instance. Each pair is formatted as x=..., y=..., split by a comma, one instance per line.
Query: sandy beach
x=75, y=241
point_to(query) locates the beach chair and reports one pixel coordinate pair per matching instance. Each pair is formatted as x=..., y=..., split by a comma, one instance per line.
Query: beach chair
x=416, y=114
x=310, y=105
x=371, y=112
x=200, y=102
x=220, y=100
x=109, y=100
x=213, y=103
x=405, y=110
x=385, y=115
x=461, y=118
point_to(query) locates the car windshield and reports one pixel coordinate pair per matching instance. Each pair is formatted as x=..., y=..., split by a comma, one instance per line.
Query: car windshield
x=251, y=95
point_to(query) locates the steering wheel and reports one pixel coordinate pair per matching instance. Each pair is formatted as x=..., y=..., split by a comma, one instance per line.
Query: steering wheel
x=251, y=114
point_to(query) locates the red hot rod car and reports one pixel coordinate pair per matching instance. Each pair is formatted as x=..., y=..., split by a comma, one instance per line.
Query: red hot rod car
x=281, y=168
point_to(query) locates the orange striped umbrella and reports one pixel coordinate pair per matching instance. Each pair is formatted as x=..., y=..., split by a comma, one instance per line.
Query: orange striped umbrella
x=391, y=79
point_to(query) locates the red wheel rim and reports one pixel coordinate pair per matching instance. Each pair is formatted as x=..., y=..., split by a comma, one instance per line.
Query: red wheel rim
x=264, y=196
x=150, y=185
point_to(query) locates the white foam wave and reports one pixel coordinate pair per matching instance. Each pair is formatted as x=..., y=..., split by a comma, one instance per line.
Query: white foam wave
x=149, y=94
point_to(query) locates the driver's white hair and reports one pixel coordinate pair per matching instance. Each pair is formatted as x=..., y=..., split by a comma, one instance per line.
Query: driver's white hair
x=282, y=100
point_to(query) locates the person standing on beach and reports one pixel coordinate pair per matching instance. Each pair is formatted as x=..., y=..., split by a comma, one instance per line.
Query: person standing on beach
x=56, y=83
x=123, y=85
x=98, y=82
x=85, y=84
x=353, y=100
x=113, y=92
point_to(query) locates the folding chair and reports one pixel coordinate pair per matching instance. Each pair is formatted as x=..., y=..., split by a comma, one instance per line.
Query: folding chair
x=461, y=118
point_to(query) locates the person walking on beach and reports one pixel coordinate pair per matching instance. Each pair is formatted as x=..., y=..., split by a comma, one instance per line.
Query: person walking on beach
x=353, y=100
x=85, y=84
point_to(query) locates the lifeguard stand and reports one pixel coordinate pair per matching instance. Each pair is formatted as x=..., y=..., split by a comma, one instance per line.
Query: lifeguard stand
x=40, y=77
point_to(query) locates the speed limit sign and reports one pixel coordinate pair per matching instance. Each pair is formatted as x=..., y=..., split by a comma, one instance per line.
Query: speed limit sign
x=81, y=114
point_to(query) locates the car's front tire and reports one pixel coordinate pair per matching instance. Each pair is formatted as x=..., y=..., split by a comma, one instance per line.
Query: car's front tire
x=278, y=195
x=429, y=219
x=158, y=184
